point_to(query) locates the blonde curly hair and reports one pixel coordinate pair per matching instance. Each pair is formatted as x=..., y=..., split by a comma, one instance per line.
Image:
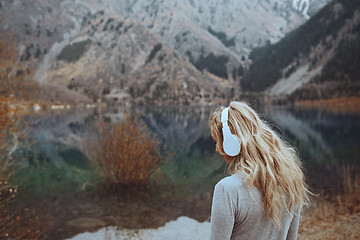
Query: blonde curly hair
x=265, y=160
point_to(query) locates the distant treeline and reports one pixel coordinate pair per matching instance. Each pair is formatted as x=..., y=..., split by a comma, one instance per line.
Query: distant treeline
x=269, y=61
x=214, y=64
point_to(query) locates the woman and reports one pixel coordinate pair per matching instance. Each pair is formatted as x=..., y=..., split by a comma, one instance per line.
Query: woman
x=262, y=199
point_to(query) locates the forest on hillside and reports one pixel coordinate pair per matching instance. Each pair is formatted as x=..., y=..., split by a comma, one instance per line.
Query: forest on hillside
x=340, y=75
x=339, y=78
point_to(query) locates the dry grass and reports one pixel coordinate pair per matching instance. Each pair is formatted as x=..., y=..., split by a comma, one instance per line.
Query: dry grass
x=345, y=201
x=349, y=201
x=126, y=154
x=335, y=215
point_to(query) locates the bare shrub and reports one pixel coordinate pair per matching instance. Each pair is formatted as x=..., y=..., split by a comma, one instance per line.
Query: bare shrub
x=13, y=224
x=126, y=153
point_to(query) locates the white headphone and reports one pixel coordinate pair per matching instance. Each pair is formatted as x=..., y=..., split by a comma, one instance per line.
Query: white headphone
x=231, y=143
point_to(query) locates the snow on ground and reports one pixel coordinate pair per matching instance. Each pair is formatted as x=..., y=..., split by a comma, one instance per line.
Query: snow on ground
x=183, y=228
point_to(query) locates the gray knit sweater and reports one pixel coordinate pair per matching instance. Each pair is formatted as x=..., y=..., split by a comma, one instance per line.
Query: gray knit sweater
x=237, y=213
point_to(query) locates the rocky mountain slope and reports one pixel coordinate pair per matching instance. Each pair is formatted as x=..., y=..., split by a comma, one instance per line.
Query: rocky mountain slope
x=221, y=31
x=83, y=49
x=318, y=60
x=124, y=62
x=140, y=51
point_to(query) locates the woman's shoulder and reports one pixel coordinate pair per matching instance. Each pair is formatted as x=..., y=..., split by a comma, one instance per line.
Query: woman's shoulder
x=234, y=187
x=234, y=181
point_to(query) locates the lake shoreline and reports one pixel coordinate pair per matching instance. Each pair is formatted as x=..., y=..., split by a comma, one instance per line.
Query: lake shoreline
x=343, y=104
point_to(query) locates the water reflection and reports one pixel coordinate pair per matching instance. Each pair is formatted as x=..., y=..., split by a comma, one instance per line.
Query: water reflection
x=307, y=140
x=322, y=138
x=58, y=141
x=50, y=159
x=185, y=132
x=178, y=127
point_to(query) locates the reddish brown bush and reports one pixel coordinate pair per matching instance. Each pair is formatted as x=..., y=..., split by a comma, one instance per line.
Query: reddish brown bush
x=126, y=153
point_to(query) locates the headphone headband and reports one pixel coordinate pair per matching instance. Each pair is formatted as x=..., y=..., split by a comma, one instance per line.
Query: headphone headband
x=225, y=115
x=231, y=143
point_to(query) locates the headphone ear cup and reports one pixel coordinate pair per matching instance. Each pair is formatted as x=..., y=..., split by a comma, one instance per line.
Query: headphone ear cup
x=231, y=144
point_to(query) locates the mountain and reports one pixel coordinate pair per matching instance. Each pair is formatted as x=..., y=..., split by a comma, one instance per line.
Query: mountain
x=216, y=35
x=81, y=48
x=318, y=60
x=144, y=51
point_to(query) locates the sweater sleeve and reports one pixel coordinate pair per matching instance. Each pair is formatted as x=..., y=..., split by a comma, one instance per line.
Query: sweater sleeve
x=294, y=226
x=222, y=214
